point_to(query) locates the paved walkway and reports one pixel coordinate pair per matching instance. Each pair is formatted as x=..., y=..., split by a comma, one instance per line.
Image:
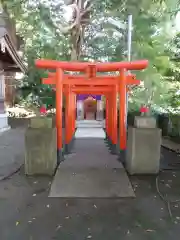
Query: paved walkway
x=91, y=171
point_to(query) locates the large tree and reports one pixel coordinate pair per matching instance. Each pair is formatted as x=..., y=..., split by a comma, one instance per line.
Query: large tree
x=96, y=30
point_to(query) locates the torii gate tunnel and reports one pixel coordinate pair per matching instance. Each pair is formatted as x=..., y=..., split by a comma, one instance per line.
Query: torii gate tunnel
x=88, y=82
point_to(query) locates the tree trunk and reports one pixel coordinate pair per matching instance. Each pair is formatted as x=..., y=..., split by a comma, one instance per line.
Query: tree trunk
x=77, y=33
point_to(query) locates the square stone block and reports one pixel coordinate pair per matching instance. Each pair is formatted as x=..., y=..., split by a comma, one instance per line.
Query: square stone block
x=144, y=122
x=99, y=115
x=42, y=122
x=143, y=150
x=40, y=151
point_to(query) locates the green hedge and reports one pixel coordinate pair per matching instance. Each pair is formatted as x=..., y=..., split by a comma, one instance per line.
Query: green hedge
x=131, y=116
x=169, y=123
x=174, y=127
x=163, y=123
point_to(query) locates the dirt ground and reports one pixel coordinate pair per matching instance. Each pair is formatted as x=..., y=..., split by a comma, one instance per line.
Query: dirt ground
x=28, y=214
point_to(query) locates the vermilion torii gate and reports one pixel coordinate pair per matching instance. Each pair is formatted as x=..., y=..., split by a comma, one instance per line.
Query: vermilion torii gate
x=107, y=90
x=90, y=83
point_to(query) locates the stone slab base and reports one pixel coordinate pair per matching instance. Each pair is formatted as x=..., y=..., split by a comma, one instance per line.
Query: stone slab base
x=91, y=171
x=144, y=122
x=42, y=122
x=143, y=151
x=91, y=183
x=40, y=151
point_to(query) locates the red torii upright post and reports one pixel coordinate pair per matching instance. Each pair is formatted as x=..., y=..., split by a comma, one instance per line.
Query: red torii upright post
x=88, y=80
x=114, y=114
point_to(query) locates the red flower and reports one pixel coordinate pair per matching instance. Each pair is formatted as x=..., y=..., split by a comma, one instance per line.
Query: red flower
x=43, y=110
x=144, y=109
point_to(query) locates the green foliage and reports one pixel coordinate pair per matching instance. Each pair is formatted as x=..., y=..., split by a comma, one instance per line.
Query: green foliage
x=41, y=40
x=152, y=34
x=104, y=39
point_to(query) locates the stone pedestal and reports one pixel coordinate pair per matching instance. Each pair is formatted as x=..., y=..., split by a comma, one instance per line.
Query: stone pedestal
x=4, y=123
x=40, y=147
x=143, y=150
x=99, y=115
x=100, y=110
x=80, y=110
x=144, y=122
x=42, y=122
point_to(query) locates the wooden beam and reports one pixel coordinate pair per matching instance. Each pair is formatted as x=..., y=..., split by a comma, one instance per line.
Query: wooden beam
x=100, y=67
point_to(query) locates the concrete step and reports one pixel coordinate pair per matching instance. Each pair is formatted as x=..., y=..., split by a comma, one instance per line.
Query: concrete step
x=90, y=133
x=89, y=124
